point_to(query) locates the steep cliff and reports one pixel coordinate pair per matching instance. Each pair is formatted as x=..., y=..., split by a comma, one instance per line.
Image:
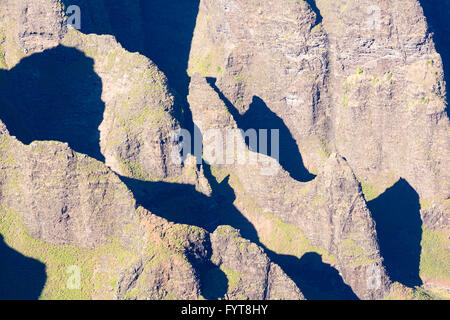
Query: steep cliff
x=69, y=210
x=251, y=274
x=273, y=50
x=359, y=79
x=66, y=209
x=356, y=204
x=389, y=100
x=28, y=27
x=330, y=210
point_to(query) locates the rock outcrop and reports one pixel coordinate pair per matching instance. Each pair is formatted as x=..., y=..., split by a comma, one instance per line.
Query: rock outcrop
x=67, y=200
x=74, y=205
x=29, y=26
x=372, y=92
x=129, y=114
x=250, y=273
x=139, y=118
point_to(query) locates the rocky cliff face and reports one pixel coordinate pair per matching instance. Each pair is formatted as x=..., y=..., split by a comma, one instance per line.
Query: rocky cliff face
x=87, y=177
x=66, y=200
x=63, y=207
x=330, y=210
x=28, y=27
x=56, y=202
x=359, y=78
x=139, y=118
x=372, y=91
x=126, y=91
x=254, y=276
x=273, y=50
x=389, y=98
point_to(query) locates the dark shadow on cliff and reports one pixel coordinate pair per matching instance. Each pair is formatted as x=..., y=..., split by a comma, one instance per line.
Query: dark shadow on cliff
x=399, y=228
x=213, y=281
x=312, y=4
x=259, y=116
x=161, y=30
x=54, y=95
x=437, y=13
x=21, y=278
x=317, y=280
x=181, y=203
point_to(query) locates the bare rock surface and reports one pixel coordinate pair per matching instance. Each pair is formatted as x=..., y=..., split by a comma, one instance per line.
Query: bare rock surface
x=271, y=50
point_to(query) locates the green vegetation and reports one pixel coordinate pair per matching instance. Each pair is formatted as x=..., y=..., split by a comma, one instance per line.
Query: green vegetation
x=227, y=231
x=358, y=256
x=324, y=150
x=202, y=66
x=435, y=257
x=3, y=64
x=359, y=70
x=421, y=294
x=376, y=186
x=207, y=62
x=425, y=204
x=347, y=87
x=239, y=78
x=58, y=258
x=400, y=292
x=370, y=191
x=425, y=100
x=7, y=159
x=345, y=101
x=177, y=237
x=389, y=77
x=99, y=267
x=288, y=239
x=280, y=237
x=232, y=276
x=145, y=100
x=134, y=169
